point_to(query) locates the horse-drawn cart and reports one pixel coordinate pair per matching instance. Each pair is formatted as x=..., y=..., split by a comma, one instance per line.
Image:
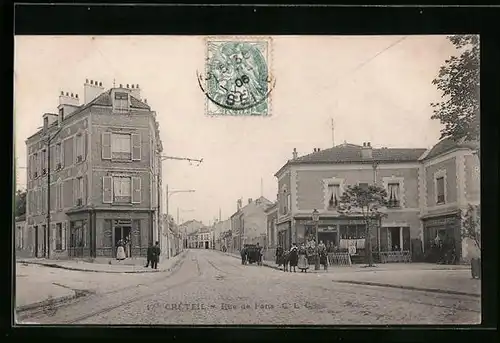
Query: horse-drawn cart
x=253, y=254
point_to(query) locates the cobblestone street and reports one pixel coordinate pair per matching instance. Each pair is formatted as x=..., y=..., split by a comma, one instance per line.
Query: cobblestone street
x=213, y=288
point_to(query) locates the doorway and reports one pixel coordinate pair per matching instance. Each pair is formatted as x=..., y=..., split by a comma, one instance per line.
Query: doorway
x=329, y=238
x=44, y=242
x=122, y=233
x=36, y=241
x=395, y=239
x=206, y=245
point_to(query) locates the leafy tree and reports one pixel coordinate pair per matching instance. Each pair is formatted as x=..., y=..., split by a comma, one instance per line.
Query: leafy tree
x=367, y=202
x=471, y=224
x=20, y=203
x=458, y=80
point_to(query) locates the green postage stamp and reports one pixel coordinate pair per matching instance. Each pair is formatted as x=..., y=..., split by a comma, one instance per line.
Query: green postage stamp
x=237, y=80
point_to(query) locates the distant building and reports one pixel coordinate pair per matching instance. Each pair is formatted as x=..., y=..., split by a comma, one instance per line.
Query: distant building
x=249, y=222
x=24, y=242
x=272, y=227
x=201, y=239
x=105, y=172
x=189, y=227
x=220, y=230
x=427, y=190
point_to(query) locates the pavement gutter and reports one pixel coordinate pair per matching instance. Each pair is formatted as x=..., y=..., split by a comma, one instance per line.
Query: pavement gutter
x=366, y=283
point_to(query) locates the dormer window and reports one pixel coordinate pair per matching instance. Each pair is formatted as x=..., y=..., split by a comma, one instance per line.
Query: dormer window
x=121, y=102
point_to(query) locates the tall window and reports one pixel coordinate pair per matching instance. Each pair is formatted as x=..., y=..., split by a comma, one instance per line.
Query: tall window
x=333, y=195
x=121, y=102
x=440, y=190
x=79, y=191
x=43, y=161
x=122, y=189
x=19, y=244
x=121, y=146
x=79, y=147
x=60, y=237
x=285, y=202
x=393, y=195
x=57, y=157
x=289, y=202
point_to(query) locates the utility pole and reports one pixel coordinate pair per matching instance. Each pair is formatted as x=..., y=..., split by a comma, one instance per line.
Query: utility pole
x=190, y=160
x=333, y=133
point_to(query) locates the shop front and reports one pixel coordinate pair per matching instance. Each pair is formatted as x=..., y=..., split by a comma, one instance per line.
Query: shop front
x=285, y=235
x=442, y=239
x=132, y=229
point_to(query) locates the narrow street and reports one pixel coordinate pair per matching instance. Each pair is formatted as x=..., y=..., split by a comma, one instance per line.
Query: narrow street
x=213, y=288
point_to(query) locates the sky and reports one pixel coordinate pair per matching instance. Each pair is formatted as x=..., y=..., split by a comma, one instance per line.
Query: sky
x=375, y=88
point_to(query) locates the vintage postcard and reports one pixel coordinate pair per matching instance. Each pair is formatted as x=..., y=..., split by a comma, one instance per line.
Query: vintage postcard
x=184, y=180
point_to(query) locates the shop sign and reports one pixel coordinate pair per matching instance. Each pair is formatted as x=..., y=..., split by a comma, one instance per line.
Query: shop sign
x=440, y=221
x=327, y=229
x=123, y=222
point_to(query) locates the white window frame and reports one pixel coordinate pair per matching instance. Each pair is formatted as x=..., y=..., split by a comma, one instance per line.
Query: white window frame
x=438, y=174
x=400, y=180
x=79, y=147
x=114, y=146
x=57, y=155
x=331, y=181
x=116, y=102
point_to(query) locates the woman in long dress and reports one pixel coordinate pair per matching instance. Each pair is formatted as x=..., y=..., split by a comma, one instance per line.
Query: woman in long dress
x=120, y=251
x=303, y=264
x=293, y=257
x=323, y=255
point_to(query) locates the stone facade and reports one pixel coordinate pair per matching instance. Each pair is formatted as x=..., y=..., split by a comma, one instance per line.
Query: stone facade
x=105, y=176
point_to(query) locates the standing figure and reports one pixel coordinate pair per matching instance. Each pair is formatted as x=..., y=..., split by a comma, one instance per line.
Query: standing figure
x=150, y=255
x=323, y=255
x=293, y=257
x=243, y=253
x=156, y=255
x=120, y=251
x=279, y=253
x=303, y=263
x=259, y=254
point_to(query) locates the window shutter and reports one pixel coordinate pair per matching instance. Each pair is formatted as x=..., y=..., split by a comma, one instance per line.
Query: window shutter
x=136, y=147
x=85, y=190
x=106, y=145
x=107, y=189
x=53, y=236
x=84, y=146
x=136, y=190
x=63, y=238
x=61, y=151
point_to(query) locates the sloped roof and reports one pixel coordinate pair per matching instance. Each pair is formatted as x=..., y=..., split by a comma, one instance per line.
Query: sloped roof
x=449, y=144
x=105, y=100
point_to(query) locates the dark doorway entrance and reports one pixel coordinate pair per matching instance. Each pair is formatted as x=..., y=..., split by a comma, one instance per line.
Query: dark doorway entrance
x=328, y=238
x=206, y=245
x=395, y=239
x=45, y=238
x=122, y=233
x=36, y=241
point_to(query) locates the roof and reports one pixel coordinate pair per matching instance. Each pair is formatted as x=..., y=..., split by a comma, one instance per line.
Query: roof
x=447, y=145
x=351, y=153
x=102, y=100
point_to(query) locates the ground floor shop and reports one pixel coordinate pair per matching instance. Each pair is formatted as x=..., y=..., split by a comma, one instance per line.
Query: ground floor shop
x=93, y=233
x=442, y=238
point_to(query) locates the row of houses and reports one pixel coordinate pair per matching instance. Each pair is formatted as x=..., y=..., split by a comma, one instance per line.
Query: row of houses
x=94, y=178
x=429, y=189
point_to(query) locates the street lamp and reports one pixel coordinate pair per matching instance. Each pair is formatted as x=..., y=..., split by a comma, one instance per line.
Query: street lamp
x=315, y=219
x=169, y=193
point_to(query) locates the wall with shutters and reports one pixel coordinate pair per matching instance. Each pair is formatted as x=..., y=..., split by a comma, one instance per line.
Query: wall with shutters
x=101, y=189
x=136, y=123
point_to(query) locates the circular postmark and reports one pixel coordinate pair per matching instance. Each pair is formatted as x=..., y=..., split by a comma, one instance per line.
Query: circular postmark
x=237, y=76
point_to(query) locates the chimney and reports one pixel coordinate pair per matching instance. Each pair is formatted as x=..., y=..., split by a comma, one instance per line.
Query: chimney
x=91, y=90
x=250, y=200
x=239, y=204
x=318, y=149
x=135, y=91
x=68, y=103
x=314, y=150
x=366, y=150
x=294, y=153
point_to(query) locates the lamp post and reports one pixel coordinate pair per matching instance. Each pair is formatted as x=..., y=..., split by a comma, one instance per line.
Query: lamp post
x=315, y=219
x=169, y=193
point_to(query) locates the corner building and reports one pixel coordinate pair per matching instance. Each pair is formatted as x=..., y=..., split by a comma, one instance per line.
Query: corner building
x=105, y=175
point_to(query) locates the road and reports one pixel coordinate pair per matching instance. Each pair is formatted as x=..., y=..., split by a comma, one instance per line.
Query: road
x=212, y=288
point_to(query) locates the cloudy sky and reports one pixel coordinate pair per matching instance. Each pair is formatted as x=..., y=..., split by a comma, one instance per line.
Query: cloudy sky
x=376, y=89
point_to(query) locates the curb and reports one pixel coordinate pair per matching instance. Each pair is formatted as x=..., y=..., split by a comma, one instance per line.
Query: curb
x=55, y=265
x=433, y=290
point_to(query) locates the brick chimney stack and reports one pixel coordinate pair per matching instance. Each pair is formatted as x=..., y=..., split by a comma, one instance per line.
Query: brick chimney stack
x=294, y=154
x=68, y=103
x=92, y=90
x=366, y=151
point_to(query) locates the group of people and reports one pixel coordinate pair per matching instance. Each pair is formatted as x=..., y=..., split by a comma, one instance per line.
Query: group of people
x=298, y=257
x=245, y=251
x=153, y=253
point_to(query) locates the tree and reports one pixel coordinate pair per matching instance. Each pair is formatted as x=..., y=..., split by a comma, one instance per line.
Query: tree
x=458, y=80
x=366, y=201
x=471, y=224
x=20, y=203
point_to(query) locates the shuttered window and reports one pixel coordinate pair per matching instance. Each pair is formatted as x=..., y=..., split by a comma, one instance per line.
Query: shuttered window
x=121, y=102
x=107, y=189
x=106, y=146
x=136, y=147
x=122, y=191
x=136, y=187
x=79, y=142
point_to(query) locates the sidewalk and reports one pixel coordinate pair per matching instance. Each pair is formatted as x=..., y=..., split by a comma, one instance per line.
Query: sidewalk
x=104, y=264
x=450, y=279
x=47, y=283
